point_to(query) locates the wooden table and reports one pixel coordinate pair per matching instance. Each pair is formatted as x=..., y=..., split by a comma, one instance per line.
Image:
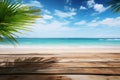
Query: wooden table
x=61, y=66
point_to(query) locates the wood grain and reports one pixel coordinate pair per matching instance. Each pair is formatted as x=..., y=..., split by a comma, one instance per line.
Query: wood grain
x=74, y=64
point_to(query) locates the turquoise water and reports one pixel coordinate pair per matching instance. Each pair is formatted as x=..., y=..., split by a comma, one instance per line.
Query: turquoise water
x=67, y=41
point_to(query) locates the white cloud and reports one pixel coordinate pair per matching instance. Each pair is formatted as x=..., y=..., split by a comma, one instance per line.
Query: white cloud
x=112, y=22
x=47, y=16
x=90, y=3
x=69, y=2
x=44, y=19
x=46, y=11
x=53, y=26
x=34, y=3
x=62, y=28
x=82, y=8
x=96, y=19
x=56, y=26
x=41, y=21
x=99, y=8
x=72, y=9
x=65, y=14
x=83, y=22
x=52, y=29
x=93, y=24
x=107, y=22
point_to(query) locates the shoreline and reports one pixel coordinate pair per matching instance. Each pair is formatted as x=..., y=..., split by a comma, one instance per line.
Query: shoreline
x=59, y=46
x=59, y=50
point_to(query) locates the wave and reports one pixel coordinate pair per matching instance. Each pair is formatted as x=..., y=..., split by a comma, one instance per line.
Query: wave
x=110, y=39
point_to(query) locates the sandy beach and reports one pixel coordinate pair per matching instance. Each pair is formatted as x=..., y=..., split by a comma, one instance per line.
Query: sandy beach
x=59, y=50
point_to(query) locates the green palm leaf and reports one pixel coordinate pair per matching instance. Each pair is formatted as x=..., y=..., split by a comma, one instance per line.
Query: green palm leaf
x=14, y=17
x=115, y=5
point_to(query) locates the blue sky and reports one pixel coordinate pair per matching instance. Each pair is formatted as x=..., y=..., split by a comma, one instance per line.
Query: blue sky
x=74, y=19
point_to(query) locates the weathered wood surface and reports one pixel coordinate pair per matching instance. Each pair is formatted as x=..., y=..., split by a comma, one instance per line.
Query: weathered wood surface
x=75, y=64
x=58, y=77
x=66, y=57
x=72, y=64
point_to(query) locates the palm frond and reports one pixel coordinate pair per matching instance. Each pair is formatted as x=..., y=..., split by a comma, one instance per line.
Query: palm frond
x=14, y=17
x=114, y=5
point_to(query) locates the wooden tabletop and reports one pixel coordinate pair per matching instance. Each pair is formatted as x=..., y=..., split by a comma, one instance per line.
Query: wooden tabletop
x=60, y=64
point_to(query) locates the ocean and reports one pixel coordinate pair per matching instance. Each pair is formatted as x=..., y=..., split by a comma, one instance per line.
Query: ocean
x=65, y=42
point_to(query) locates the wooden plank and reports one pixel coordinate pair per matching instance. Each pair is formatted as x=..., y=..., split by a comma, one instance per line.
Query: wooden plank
x=64, y=59
x=92, y=55
x=97, y=59
x=82, y=71
x=85, y=64
x=110, y=55
x=75, y=71
x=61, y=64
x=64, y=65
x=59, y=77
